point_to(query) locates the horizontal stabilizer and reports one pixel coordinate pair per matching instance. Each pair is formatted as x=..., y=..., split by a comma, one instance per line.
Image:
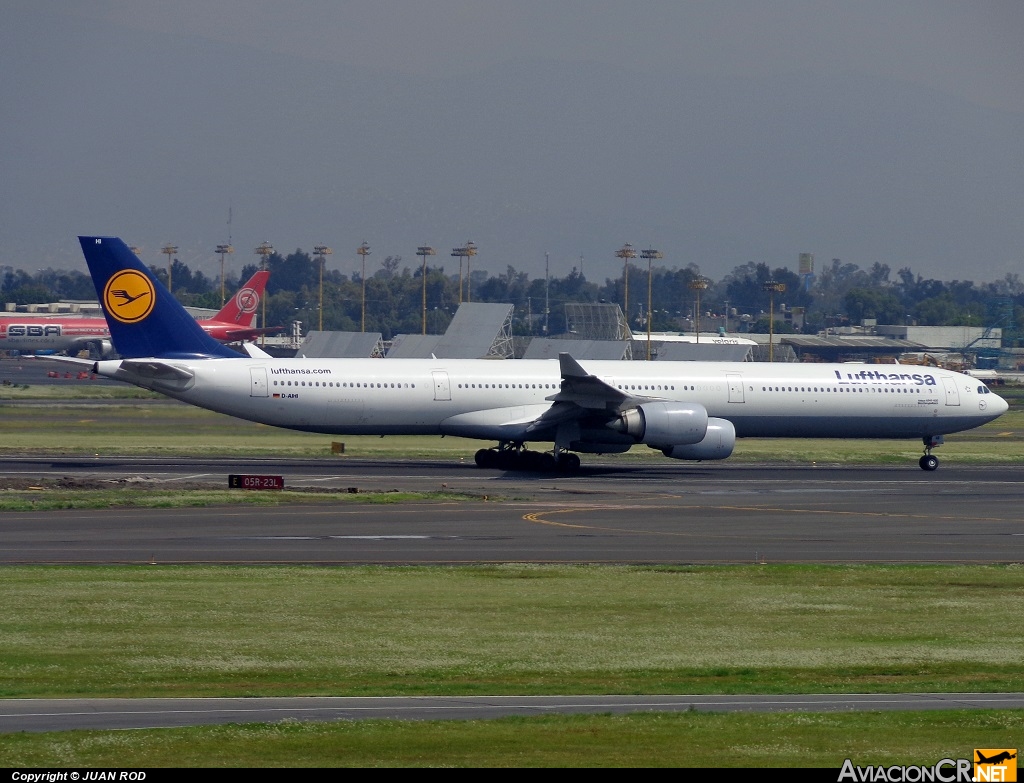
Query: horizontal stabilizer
x=156, y=370
x=150, y=374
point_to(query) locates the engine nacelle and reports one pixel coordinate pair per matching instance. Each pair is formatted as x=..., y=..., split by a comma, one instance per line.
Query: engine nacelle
x=664, y=424
x=101, y=349
x=718, y=443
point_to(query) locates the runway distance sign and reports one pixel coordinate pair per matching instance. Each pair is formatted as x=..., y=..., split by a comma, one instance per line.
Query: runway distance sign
x=236, y=481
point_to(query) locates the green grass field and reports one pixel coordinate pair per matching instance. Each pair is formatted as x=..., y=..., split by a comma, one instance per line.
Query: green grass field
x=690, y=739
x=175, y=631
x=67, y=427
x=514, y=629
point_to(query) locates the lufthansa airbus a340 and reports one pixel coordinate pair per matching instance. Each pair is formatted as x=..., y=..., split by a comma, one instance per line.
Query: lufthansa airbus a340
x=687, y=410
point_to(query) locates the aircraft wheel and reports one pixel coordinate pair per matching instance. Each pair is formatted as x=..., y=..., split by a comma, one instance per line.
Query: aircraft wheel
x=508, y=460
x=531, y=460
x=568, y=463
x=929, y=462
x=546, y=462
x=486, y=458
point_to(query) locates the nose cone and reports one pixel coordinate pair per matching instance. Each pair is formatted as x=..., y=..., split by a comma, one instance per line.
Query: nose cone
x=997, y=405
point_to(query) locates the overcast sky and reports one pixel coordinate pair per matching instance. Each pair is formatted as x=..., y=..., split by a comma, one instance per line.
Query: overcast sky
x=719, y=132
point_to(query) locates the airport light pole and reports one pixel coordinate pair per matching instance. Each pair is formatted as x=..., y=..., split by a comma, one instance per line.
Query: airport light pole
x=169, y=250
x=547, y=287
x=772, y=287
x=461, y=253
x=363, y=250
x=136, y=250
x=423, y=251
x=263, y=250
x=698, y=284
x=650, y=254
x=625, y=252
x=470, y=252
x=224, y=250
x=467, y=251
x=321, y=252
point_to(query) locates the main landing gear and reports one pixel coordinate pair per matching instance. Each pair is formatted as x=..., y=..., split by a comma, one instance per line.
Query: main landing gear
x=929, y=461
x=510, y=456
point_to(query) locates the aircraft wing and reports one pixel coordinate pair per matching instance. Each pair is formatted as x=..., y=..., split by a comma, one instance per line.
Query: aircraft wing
x=585, y=390
x=255, y=352
x=581, y=396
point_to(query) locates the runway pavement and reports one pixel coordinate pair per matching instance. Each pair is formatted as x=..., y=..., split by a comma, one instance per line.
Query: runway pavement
x=36, y=371
x=608, y=514
x=66, y=714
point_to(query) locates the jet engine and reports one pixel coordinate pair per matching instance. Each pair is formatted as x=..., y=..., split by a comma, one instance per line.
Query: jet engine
x=664, y=424
x=101, y=349
x=718, y=443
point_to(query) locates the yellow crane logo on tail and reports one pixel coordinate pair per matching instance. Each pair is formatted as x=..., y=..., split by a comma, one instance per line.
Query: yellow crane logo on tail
x=129, y=296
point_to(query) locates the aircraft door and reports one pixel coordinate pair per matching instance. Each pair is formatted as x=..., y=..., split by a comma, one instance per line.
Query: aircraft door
x=258, y=387
x=952, y=395
x=735, y=381
x=442, y=388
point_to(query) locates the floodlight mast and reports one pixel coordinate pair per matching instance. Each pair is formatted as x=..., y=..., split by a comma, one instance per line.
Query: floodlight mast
x=169, y=250
x=772, y=287
x=467, y=251
x=423, y=251
x=459, y=252
x=698, y=284
x=470, y=252
x=625, y=252
x=363, y=250
x=650, y=254
x=224, y=250
x=321, y=252
x=547, y=286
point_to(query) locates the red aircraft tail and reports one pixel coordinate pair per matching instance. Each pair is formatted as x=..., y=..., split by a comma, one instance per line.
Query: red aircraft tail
x=242, y=307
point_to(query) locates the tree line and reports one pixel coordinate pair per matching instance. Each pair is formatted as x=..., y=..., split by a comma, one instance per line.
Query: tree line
x=840, y=294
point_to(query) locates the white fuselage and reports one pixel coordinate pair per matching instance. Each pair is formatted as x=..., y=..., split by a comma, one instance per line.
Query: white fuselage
x=491, y=399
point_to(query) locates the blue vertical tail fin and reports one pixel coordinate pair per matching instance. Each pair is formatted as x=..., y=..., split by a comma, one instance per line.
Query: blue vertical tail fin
x=144, y=319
